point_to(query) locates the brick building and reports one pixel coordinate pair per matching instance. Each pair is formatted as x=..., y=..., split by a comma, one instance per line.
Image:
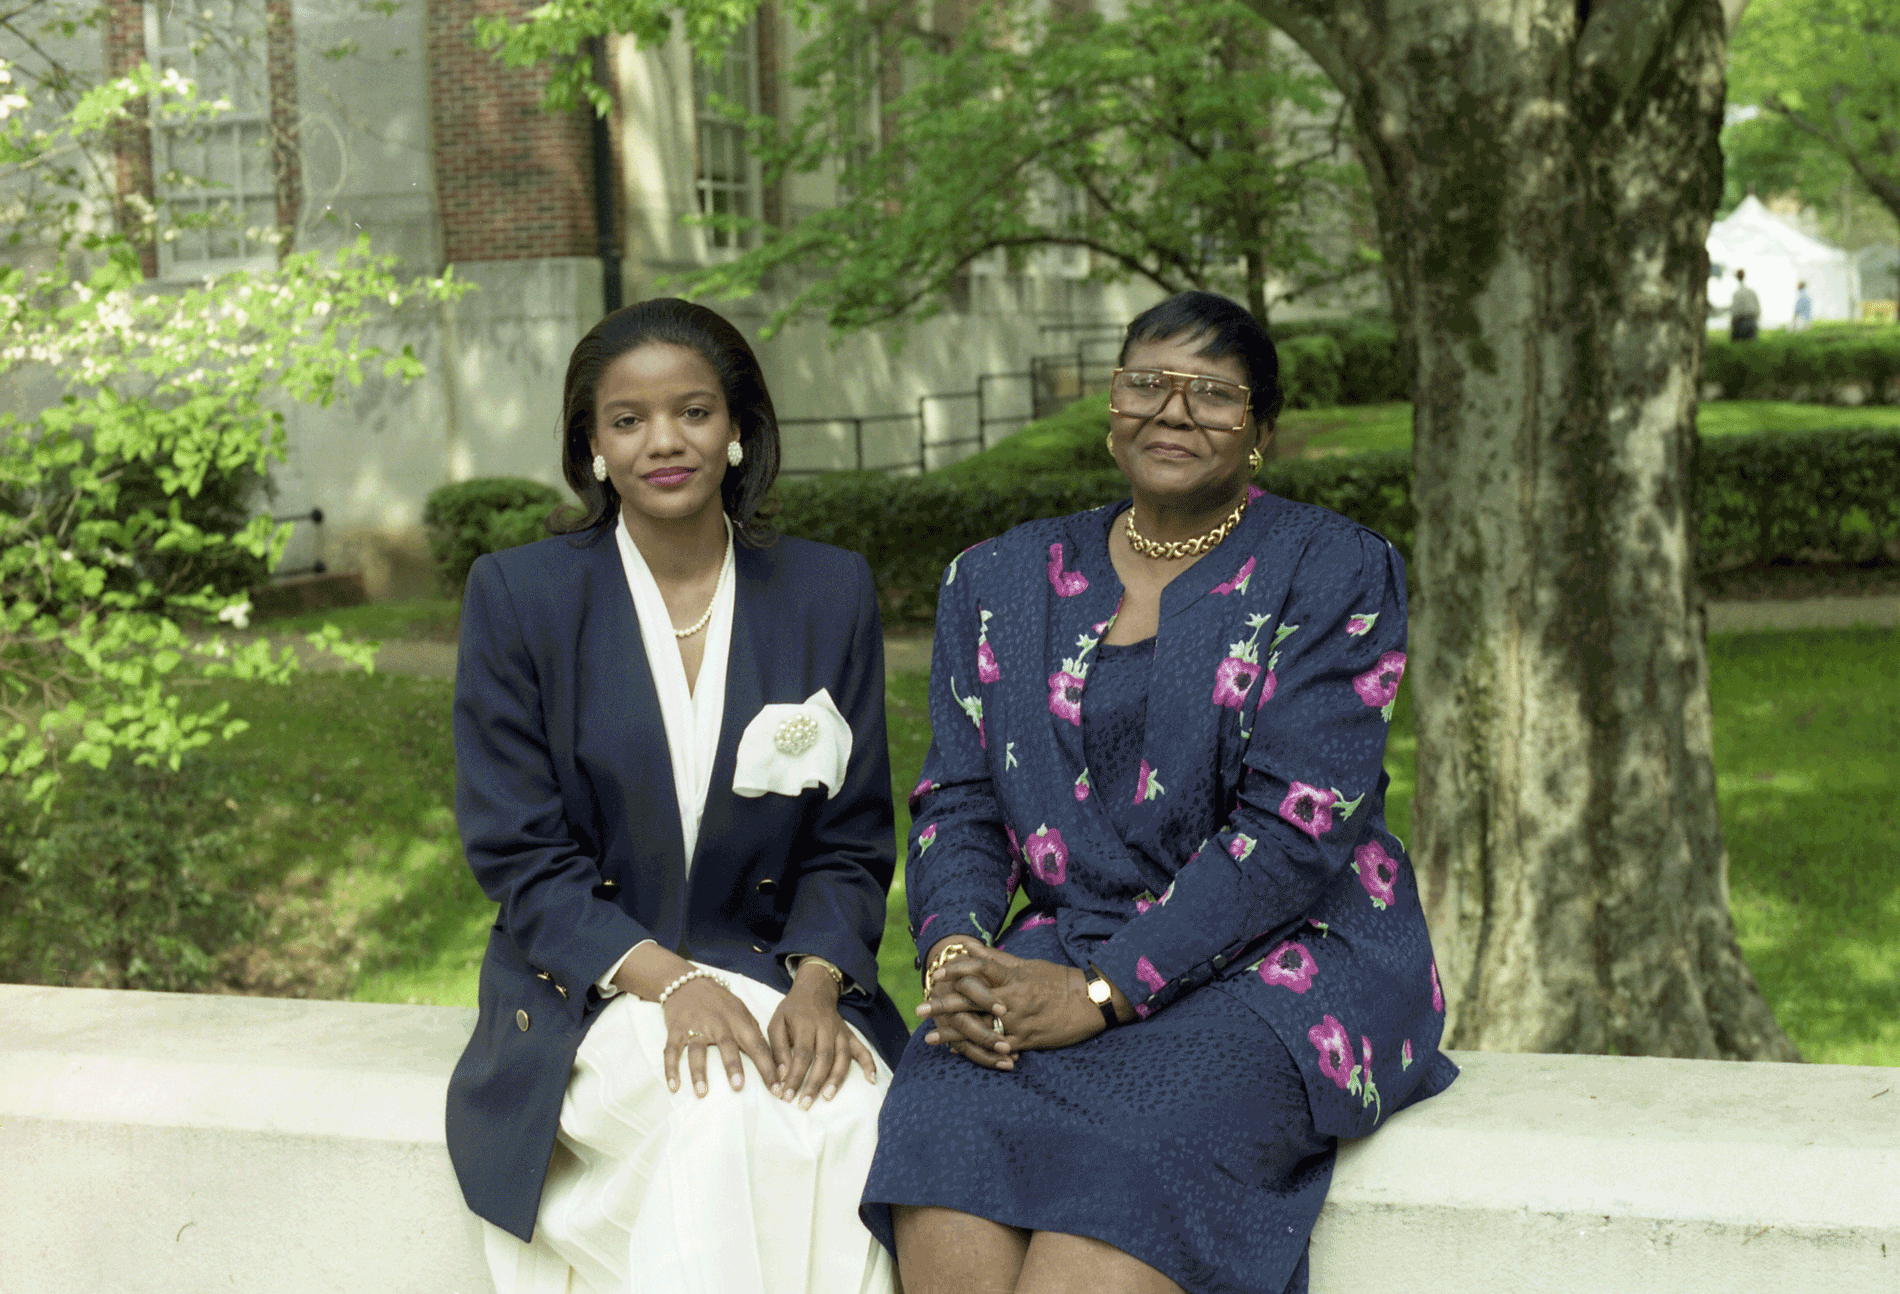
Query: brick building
x=387, y=119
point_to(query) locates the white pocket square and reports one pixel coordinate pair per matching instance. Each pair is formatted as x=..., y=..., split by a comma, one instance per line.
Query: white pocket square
x=789, y=748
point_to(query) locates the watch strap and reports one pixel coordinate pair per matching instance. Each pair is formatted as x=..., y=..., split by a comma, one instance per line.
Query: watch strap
x=1104, y=999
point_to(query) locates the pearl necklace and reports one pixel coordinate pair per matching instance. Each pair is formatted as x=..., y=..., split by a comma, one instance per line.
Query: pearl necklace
x=1179, y=548
x=706, y=619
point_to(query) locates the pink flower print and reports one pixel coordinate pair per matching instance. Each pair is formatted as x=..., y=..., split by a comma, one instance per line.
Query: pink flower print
x=1438, y=997
x=1082, y=785
x=1015, y=845
x=1289, y=966
x=1378, y=686
x=1241, y=847
x=1015, y=861
x=1335, y=1051
x=1065, y=696
x=1147, y=785
x=1232, y=678
x=1309, y=808
x=1238, y=584
x=1145, y=971
x=1376, y=871
x=1253, y=491
x=924, y=787
x=986, y=670
x=1405, y=1056
x=1066, y=583
x=1359, y=625
x=926, y=925
x=1040, y=919
x=1365, y=1053
x=926, y=838
x=1147, y=900
x=1267, y=684
x=1048, y=856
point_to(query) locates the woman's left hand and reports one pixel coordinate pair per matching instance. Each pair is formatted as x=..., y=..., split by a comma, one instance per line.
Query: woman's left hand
x=812, y=1044
x=1043, y=1005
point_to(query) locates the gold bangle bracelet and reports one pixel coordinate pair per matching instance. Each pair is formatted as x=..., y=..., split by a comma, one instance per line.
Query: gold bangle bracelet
x=941, y=960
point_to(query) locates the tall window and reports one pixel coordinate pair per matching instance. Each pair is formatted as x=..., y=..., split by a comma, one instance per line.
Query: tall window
x=728, y=178
x=213, y=178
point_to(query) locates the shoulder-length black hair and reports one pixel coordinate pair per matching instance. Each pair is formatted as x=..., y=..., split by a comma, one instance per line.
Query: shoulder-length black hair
x=673, y=322
x=1229, y=329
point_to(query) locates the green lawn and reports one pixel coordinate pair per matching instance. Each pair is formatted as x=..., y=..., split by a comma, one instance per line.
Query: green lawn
x=1072, y=438
x=342, y=796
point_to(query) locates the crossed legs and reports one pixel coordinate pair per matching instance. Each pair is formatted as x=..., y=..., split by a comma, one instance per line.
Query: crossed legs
x=942, y=1251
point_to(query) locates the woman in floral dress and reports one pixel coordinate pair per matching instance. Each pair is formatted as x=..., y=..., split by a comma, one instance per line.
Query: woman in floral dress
x=1164, y=722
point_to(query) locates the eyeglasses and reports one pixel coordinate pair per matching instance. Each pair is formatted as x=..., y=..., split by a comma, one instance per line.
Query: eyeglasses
x=1214, y=403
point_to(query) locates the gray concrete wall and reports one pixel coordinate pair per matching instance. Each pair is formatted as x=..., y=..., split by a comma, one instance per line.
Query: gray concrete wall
x=167, y=1142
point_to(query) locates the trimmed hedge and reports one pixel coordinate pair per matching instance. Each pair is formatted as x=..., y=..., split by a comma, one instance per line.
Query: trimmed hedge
x=485, y=515
x=1764, y=499
x=1349, y=361
x=1771, y=499
x=1812, y=366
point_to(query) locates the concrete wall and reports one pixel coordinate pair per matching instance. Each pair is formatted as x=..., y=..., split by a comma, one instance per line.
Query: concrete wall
x=158, y=1143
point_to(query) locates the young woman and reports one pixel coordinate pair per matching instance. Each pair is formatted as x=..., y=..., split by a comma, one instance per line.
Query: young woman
x=1164, y=720
x=671, y=775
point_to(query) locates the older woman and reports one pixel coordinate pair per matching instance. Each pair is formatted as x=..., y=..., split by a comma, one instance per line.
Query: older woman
x=1165, y=722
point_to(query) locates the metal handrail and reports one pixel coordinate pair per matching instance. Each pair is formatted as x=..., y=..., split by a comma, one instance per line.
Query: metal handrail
x=316, y=567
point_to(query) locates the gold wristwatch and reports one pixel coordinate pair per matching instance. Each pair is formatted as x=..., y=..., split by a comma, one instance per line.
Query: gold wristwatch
x=1102, y=993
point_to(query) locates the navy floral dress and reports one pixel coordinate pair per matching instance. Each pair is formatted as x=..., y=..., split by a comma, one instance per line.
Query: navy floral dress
x=1202, y=817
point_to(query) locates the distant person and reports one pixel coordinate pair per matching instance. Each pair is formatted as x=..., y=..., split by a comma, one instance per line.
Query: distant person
x=1744, y=310
x=1803, y=307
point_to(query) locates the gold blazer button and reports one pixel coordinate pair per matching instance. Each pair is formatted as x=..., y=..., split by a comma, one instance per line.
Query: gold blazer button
x=521, y=1021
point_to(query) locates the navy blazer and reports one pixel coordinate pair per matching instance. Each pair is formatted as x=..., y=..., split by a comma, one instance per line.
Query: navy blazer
x=564, y=798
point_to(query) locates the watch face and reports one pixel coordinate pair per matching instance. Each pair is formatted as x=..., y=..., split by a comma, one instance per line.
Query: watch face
x=1098, y=991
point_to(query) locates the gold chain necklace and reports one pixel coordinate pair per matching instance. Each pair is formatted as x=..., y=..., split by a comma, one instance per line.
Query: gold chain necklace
x=1181, y=547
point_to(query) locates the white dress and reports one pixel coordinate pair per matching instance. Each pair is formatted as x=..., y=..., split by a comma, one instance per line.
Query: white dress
x=657, y=1192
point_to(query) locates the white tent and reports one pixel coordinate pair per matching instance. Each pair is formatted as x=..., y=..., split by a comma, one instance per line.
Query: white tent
x=1777, y=256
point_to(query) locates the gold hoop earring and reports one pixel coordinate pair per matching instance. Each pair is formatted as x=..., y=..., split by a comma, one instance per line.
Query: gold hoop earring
x=1110, y=443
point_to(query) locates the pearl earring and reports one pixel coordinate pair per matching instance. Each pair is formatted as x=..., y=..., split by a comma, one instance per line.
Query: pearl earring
x=735, y=453
x=600, y=467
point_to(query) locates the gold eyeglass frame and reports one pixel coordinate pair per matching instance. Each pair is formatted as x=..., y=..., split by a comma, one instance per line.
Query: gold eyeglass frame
x=1180, y=385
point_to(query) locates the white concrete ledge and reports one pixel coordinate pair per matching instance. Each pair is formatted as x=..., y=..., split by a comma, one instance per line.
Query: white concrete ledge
x=169, y=1143
x=157, y=1143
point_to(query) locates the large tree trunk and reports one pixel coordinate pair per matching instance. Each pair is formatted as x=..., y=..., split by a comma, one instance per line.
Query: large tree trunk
x=1546, y=171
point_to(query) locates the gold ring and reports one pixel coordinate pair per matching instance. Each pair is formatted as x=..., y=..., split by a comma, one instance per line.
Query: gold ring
x=996, y=1023
x=694, y=1033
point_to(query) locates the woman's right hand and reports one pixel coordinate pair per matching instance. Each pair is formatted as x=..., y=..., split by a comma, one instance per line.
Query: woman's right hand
x=700, y=1015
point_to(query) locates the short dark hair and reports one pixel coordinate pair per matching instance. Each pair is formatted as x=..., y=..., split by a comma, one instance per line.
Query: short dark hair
x=673, y=322
x=1230, y=329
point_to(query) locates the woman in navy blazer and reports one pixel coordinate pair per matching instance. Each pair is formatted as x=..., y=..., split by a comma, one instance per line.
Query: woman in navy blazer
x=639, y=926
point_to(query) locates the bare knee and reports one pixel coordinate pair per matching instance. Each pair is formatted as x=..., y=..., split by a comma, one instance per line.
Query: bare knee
x=1065, y=1264
x=943, y=1251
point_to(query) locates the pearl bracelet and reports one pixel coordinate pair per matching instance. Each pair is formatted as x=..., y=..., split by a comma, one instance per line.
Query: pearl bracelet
x=696, y=973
